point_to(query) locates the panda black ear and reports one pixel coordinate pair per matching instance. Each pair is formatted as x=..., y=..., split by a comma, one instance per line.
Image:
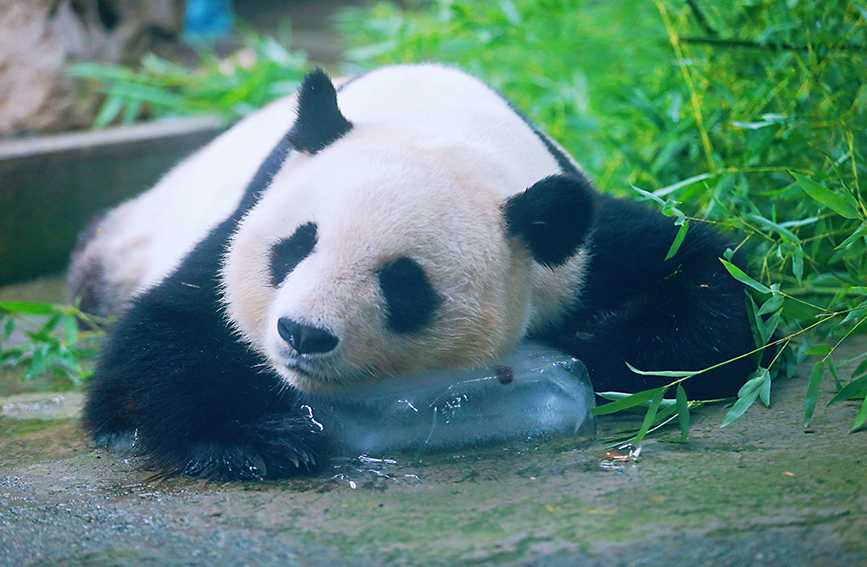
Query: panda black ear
x=553, y=217
x=319, y=122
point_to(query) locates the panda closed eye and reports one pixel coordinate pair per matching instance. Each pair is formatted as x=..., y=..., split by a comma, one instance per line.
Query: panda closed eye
x=410, y=298
x=289, y=252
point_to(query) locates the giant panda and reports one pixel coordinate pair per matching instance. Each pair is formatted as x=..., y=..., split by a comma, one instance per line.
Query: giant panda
x=411, y=219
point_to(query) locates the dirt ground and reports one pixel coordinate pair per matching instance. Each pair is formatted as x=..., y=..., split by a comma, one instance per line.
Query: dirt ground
x=762, y=491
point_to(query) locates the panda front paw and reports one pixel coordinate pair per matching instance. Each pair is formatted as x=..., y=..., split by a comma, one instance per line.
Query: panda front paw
x=273, y=447
x=221, y=462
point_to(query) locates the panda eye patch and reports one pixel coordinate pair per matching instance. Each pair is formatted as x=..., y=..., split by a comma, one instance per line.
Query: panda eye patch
x=410, y=298
x=289, y=252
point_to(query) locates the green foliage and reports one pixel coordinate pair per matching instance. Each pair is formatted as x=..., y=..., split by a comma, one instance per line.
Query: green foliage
x=232, y=87
x=567, y=64
x=53, y=341
x=749, y=114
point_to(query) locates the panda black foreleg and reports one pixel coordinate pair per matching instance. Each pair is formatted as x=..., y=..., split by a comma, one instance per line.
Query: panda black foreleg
x=684, y=313
x=200, y=403
x=669, y=327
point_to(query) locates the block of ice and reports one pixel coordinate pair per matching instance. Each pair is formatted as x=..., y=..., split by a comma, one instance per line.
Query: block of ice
x=534, y=391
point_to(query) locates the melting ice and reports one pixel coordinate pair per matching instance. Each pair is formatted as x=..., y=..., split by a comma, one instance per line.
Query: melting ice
x=534, y=391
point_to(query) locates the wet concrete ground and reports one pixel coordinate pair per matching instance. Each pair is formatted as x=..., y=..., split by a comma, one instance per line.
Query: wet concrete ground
x=762, y=491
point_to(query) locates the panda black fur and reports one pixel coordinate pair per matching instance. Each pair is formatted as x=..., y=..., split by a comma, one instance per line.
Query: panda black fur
x=419, y=222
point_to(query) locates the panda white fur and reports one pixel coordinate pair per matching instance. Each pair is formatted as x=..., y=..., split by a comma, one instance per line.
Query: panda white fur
x=412, y=220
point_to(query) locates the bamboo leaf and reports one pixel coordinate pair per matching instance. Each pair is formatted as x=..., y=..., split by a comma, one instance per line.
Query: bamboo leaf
x=826, y=197
x=664, y=373
x=813, y=391
x=51, y=324
x=672, y=188
x=772, y=304
x=40, y=362
x=100, y=72
x=27, y=307
x=860, y=418
x=861, y=232
x=649, y=195
x=629, y=401
x=70, y=330
x=854, y=389
x=742, y=277
x=755, y=321
x=832, y=368
x=678, y=240
x=857, y=313
x=740, y=406
x=819, y=350
x=667, y=408
x=682, y=412
x=614, y=396
x=765, y=390
x=798, y=263
x=770, y=326
x=112, y=106
x=752, y=385
x=769, y=224
x=510, y=12
x=747, y=395
x=861, y=369
x=650, y=416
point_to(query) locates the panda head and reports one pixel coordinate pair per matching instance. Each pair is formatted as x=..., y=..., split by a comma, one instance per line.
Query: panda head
x=377, y=252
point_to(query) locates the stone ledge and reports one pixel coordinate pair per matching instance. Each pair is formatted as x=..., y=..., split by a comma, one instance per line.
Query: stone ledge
x=52, y=186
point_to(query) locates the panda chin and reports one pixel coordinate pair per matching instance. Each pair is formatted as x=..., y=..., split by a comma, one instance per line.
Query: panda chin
x=302, y=376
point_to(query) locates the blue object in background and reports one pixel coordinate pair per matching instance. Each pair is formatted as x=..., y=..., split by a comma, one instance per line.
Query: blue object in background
x=208, y=18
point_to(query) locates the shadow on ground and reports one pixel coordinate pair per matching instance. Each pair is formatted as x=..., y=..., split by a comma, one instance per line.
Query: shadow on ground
x=762, y=492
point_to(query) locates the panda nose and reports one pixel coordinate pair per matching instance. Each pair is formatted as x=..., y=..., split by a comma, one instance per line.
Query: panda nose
x=306, y=339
